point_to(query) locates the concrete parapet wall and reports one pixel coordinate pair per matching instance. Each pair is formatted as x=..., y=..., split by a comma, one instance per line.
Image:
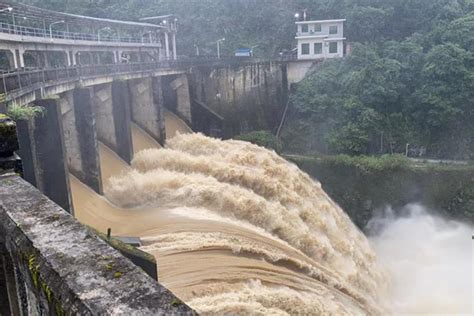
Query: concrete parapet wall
x=62, y=268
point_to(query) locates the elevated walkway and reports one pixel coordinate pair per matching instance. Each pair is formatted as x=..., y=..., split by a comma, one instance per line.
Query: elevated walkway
x=37, y=33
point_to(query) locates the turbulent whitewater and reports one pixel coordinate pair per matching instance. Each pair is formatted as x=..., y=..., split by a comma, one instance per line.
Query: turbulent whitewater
x=236, y=228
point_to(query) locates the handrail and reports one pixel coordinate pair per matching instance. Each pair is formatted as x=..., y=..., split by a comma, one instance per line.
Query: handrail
x=41, y=32
x=21, y=79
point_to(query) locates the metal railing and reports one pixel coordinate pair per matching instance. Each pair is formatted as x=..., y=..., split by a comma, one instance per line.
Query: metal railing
x=45, y=33
x=15, y=82
x=25, y=78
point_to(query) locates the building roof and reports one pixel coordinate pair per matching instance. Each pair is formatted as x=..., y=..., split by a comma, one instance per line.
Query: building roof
x=312, y=36
x=320, y=21
x=23, y=10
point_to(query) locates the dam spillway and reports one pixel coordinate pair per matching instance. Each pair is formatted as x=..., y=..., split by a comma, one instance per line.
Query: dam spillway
x=234, y=227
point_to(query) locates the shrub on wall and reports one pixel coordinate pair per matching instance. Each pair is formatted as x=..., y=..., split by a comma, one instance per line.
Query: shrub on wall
x=261, y=138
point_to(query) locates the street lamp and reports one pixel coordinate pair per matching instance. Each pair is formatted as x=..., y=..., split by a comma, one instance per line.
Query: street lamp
x=51, y=28
x=102, y=29
x=219, y=47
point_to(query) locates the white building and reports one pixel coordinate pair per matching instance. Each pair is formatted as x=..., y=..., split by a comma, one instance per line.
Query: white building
x=320, y=39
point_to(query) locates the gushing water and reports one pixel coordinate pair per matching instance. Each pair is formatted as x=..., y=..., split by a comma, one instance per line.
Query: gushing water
x=429, y=260
x=237, y=229
x=269, y=239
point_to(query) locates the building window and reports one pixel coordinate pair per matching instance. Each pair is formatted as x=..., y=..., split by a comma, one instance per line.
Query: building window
x=318, y=48
x=333, y=29
x=333, y=48
x=317, y=28
x=304, y=28
x=305, y=49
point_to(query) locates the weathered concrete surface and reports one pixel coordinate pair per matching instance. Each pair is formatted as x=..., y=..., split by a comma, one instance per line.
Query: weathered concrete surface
x=66, y=268
x=88, y=171
x=158, y=100
x=113, y=120
x=103, y=111
x=144, y=110
x=122, y=120
x=71, y=133
x=298, y=69
x=248, y=97
x=43, y=153
x=183, y=101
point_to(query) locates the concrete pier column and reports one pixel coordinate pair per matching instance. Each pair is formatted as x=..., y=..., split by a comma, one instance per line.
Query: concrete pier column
x=46, y=60
x=144, y=110
x=183, y=102
x=112, y=113
x=173, y=40
x=68, y=58
x=22, y=57
x=122, y=117
x=82, y=125
x=167, y=46
x=159, y=102
x=43, y=153
x=74, y=57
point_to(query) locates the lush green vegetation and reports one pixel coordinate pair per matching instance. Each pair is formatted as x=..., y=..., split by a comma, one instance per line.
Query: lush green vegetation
x=24, y=112
x=262, y=138
x=362, y=185
x=407, y=84
x=410, y=79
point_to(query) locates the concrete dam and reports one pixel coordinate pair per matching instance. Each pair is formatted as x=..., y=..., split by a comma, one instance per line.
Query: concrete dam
x=233, y=227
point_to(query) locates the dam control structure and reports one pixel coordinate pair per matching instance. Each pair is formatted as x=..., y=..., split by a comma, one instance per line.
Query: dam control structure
x=95, y=78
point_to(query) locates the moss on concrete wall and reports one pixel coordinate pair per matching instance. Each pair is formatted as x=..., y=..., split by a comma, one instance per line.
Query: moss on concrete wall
x=362, y=185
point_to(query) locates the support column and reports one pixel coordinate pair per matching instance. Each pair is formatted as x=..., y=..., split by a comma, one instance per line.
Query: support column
x=85, y=126
x=145, y=113
x=45, y=59
x=112, y=113
x=173, y=38
x=160, y=104
x=74, y=58
x=183, y=102
x=167, y=46
x=15, y=59
x=22, y=58
x=68, y=58
x=122, y=118
x=43, y=153
x=119, y=56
